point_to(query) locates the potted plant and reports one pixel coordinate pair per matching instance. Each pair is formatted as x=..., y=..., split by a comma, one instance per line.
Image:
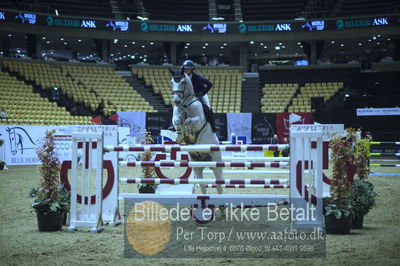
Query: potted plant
x=338, y=207
x=148, y=172
x=362, y=195
x=50, y=200
x=362, y=200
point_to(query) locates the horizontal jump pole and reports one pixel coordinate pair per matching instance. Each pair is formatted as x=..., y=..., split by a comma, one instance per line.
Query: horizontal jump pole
x=241, y=172
x=384, y=154
x=195, y=148
x=384, y=143
x=178, y=181
x=201, y=164
x=247, y=186
x=384, y=165
x=237, y=200
x=257, y=159
x=384, y=160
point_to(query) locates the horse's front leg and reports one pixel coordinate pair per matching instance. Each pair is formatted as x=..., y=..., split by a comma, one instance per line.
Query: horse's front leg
x=192, y=125
x=177, y=122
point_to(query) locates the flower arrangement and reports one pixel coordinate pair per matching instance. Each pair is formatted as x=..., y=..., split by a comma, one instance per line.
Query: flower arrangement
x=362, y=195
x=50, y=196
x=342, y=157
x=148, y=172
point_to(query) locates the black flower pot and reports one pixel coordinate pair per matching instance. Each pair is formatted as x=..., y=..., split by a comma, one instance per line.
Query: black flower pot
x=1, y=166
x=357, y=222
x=147, y=189
x=337, y=226
x=50, y=222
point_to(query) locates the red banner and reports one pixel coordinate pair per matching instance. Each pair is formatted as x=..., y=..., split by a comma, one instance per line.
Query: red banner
x=284, y=120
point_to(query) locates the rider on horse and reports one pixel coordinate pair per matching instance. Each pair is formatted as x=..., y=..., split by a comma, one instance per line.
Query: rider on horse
x=201, y=85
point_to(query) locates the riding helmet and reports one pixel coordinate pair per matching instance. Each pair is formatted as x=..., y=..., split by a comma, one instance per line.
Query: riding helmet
x=188, y=64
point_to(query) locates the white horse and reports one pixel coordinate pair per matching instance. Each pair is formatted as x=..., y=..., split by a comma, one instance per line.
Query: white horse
x=192, y=120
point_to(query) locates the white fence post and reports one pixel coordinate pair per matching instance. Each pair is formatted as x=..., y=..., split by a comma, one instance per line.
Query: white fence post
x=87, y=215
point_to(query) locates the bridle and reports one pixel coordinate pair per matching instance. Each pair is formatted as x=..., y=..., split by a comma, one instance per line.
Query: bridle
x=182, y=92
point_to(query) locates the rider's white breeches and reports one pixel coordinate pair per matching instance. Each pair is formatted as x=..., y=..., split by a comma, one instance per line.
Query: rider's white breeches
x=206, y=100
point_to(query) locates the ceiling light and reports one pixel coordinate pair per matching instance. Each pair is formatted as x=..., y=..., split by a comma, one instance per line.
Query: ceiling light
x=265, y=47
x=388, y=39
x=142, y=18
x=115, y=40
x=151, y=43
x=9, y=35
x=132, y=57
x=186, y=47
x=261, y=44
x=133, y=42
x=61, y=39
x=283, y=46
x=378, y=43
x=374, y=38
x=112, y=54
x=206, y=44
x=332, y=42
x=277, y=47
x=379, y=35
x=299, y=43
x=187, y=43
x=79, y=40
x=342, y=44
x=143, y=46
x=221, y=47
x=204, y=47
x=43, y=38
x=369, y=40
x=251, y=42
x=225, y=44
x=359, y=43
x=65, y=43
x=48, y=42
x=280, y=43
x=125, y=45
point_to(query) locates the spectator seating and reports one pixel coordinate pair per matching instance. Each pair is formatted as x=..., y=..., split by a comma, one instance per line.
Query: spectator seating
x=90, y=85
x=302, y=102
x=49, y=76
x=25, y=107
x=276, y=97
x=115, y=93
x=225, y=96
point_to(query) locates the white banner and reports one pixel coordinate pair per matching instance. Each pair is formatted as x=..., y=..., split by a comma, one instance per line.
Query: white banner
x=332, y=131
x=377, y=111
x=239, y=124
x=136, y=121
x=22, y=141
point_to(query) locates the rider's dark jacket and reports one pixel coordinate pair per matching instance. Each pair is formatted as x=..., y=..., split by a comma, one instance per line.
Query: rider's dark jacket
x=201, y=85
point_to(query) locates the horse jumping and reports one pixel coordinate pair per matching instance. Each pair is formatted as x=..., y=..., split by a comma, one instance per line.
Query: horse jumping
x=193, y=123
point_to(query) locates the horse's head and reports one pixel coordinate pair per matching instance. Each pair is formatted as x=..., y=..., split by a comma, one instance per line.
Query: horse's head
x=181, y=87
x=14, y=142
